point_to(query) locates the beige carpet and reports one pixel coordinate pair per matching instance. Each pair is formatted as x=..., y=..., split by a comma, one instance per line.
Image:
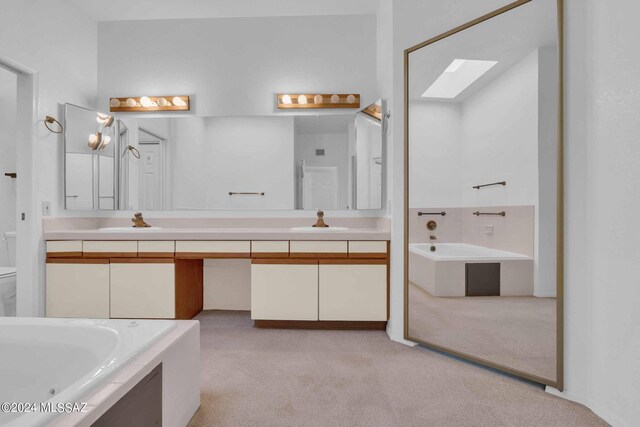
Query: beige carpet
x=518, y=332
x=257, y=377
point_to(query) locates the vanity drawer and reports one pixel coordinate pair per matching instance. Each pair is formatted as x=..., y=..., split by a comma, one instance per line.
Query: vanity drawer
x=270, y=249
x=64, y=248
x=318, y=249
x=109, y=248
x=213, y=249
x=156, y=248
x=368, y=249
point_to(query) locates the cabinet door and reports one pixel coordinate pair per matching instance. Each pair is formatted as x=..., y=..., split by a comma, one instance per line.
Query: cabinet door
x=143, y=290
x=284, y=290
x=78, y=288
x=356, y=292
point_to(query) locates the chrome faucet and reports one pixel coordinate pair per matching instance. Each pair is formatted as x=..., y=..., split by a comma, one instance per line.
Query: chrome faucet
x=320, y=222
x=138, y=220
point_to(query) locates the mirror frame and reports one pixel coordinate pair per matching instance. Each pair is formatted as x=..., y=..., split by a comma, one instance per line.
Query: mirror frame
x=559, y=381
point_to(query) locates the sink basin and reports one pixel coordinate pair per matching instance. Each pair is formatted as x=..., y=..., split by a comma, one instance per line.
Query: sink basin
x=319, y=229
x=133, y=229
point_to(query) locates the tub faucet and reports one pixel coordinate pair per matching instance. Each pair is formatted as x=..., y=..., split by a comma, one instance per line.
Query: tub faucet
x=320, y=222
x=138, y=220
x=433, y=247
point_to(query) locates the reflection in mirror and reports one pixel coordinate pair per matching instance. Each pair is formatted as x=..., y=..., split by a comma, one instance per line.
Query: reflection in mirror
x=483, y=177
x=330, y=162
x=90, y=163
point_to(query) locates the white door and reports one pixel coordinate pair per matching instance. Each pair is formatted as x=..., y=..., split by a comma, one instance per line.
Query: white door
x=79, y=181
x=151, y=170
x=320, y=187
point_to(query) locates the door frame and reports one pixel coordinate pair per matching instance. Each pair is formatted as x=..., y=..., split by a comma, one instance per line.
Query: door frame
x=29, y=244
x=162, y=141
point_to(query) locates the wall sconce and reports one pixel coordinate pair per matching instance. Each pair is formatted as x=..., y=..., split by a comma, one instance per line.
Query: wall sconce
x=317, y=100
x=98, y=141
x=150, y=103
x=374, y=110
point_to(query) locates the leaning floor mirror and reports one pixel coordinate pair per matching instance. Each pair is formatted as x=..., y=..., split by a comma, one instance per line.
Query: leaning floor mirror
x=483, y=226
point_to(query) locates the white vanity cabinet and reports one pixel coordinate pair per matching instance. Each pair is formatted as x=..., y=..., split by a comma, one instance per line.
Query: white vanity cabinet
x=143, y=289
x=334, y=283
x=352, y=290
x=77, y=288
x=284, y=289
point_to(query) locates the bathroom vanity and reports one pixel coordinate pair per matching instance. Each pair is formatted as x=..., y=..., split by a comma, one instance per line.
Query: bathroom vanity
x=298, y=279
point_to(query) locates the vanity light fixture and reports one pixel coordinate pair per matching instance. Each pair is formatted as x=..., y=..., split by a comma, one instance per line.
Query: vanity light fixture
x=457, y=77
x=97, y=141
x=317, y=100
x=150, y=103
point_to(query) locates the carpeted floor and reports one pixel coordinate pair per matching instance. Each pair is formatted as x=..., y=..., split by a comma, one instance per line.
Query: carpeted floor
x=518, y=332
x=258, y=377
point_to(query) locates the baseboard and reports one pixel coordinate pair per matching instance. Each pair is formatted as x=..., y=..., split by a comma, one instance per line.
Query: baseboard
x=609, y=417
x=545, y=295
x=321, y=324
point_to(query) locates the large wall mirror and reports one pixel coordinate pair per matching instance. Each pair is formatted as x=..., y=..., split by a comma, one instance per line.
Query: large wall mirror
x=330, y=162
x=483, y=276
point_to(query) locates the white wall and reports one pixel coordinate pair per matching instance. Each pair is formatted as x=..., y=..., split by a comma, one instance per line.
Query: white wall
x=235, y=66
x=602, y=287
x=8, y=157
x=58, y=41
x=500, y=139
x=368, y=147
x=217, y=155
x=435, y=154
x=601, y=208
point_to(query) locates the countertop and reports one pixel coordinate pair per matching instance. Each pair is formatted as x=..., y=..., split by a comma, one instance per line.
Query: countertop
x=219, y=234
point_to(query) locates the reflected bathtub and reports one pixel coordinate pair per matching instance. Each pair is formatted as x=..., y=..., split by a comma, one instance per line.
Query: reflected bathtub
x=63, y=360
x=441, y=273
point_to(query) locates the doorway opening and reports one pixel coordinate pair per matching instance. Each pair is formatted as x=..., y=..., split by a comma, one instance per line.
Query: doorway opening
x=21, y=226
x=152, y=171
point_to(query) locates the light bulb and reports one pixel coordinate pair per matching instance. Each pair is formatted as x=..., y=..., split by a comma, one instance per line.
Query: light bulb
x=102, y=118
x=163, y=102
x=146, y=102
x=105, y=141
x=131, y=102
x=179, y=102
x=351, y=99
x=335, y=99
x=93, y=138
x=302, y=99
x=318, y=99
x=115, y=103
x=286, y=99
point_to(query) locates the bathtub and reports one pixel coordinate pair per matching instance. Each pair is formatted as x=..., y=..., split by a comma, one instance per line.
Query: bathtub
x=62, y=360
x=441, y=273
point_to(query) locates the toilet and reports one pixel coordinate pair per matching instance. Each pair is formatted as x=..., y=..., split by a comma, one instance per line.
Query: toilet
x=8, y=277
